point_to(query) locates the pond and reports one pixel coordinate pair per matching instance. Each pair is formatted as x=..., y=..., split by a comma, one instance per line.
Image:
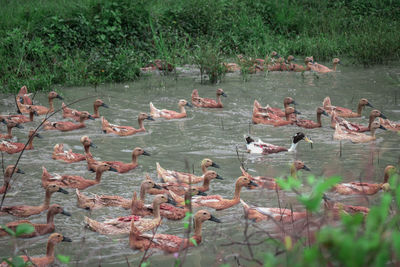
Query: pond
x=205, y=133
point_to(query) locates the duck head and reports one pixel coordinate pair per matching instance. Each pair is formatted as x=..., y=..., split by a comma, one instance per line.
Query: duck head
x=209, y=175
x=159, y=199
x=321, y=110
x=243, y=181
x=34, y=134
x=299, y=165
x=52, y=188
x=221, y=92
x=300, y=136
x=56, y=238
x=99, y=103
x=203, y=215
x=144, y=116
x=183, y=103
x=376, y=113
x=85, y=115
x=140, y=151
x=86, y=141
x=336, y=61
x=53, y=95
x=288, y=101
x=365, y=102
x=10, y=169
x=291, y=110
x=57, y=209
x=376, y=125
x=209, y=163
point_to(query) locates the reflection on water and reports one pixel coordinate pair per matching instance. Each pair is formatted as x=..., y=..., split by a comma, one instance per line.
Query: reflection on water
x=211, y=133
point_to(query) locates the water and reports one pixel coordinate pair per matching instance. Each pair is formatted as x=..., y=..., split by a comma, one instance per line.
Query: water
x=211, y=133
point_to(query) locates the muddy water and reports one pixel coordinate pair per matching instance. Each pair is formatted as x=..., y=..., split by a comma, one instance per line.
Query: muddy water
x=211, y=133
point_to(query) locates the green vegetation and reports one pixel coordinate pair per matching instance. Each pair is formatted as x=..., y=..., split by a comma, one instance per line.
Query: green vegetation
x=73, y=42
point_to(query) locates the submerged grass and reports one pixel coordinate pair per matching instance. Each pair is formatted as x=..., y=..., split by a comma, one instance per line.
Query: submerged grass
x=92, y=41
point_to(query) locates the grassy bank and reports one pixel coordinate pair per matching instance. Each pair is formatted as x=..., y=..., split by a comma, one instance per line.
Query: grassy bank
x=73, y=42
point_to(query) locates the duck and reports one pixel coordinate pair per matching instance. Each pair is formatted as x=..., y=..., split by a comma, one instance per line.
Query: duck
x=270, y=182
x=201, y=102
x=355, y=127
x=23, y=96
x=74, y=181
x=125, y=130
x=170, y=114
x=283, y=215
x=323, y=69
x=358, y=188
x=300, y=68
x=66, y=126
x=260, y=147
x=170, y=243
x=123, y=167
x=309, y=124
x=41, y=110
x=334, y=209
x=10, y=125
x=100, y=201
x=179, y=188
x=26, y=211
x=40, y=228
x=21, y=118
x=12, y=147
x=219, y=203
x=47, y=260
x=272, y=119
x=356, y=137
x=279, y=112
x=184, y=177
x=290, y=117
x=345, y=112
x=122, y=225
x=8, y=173
x=74, y=114
x=390, y=125
x=68, y=156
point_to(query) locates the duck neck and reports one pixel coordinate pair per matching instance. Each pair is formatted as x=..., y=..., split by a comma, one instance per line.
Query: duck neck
x=51, y=106
x=386, y=178
x=156, y=211
x=81, y=120
x=182, y=109
x=98, y=175
x=31, y=116
x=360, y=108
x=96, y=111
x=50, y=249
x=319, y=119
x=9, y=129
x=134, y=158
x=373, y=133
x=334, y=66
x=236, y=197
x=287, y=115
x=197, y=227
x=142, y=193
x=371, y=120
x=47, y=198
x=293, y=171
x=87, y=149
x=292, y=147
x=50, y=217
x=204, y=168
x=141, y=125
x=206, y=184
x=219, y=99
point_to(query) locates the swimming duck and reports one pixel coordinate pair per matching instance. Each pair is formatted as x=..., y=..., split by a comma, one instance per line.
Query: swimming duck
x=26, y=211
x=356, y=137
x=260, y=147
x=279, y=112
x=10, y=125
x=40, y=228
x=290, y=117
x=122, y=225
x=122, y=167
x=170, y=114
x=74, y=181
x=355, y=127
x=219, y=203
x=23, y=96
x=323, y=69
x=66, y=126
x=41, y=110
x=67, y=156
x=272, y=119
x=21, y=118
x=365, y=188
x=169, y=243
x=334, y=209
x=74, y=114
x=284, y=215
x=201, y=102
x=390, y=125
x=309, y=124
x=125, y=130
x=270, y=182
x=345, y=112
x=7, y=177
x=12, y=148
x=47, y=260
x=183, y=177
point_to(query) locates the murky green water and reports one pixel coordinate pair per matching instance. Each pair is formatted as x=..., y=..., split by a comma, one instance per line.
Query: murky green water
x=205, y=133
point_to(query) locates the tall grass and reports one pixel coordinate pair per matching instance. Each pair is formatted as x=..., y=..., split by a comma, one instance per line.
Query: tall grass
x=79, y=42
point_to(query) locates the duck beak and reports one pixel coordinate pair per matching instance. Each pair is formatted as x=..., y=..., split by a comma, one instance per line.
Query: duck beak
x=324, y=113
x=35, y=113
x=294, y=103
x=61, y=190
x=157, y=186
x=93, y=145
x=381, y=127
x=20, y=171
x=59, y=97
x=90, y=117
x=21, y=100
x=65, y=213
x=383, y=116
x=201, y=193
x=325, y=197
x=214, y=219
x=296, y=112
x=253, y=184
x=223, y=94
x=66, y=239
x=19, y=126
x=308, y=140
x=146, y=153
x=219, y=177
x=368, y=104
x=38, y=136
x=306, y=168
x=113, y=169
x=104, y=105
x=215, y=165
x=188, y=104
x=150, y=118
x=171, y=201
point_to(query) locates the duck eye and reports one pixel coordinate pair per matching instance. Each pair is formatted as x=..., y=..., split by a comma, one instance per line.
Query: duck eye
x=204, y=213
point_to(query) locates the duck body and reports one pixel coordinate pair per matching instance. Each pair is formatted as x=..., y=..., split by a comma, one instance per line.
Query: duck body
x=66, y=126
x=75, y=114
x=309, y=124
x=390, y=125
x=262, y=181
x=67, y=156
x=125, y=130
x=9, y=171
x=356, y=137
x=123, y=167
x=97, y=202
x=42, y=110
x=177, y=177
x=345, y=112
x=198, y=101
x=13, y=147
x=170, y=114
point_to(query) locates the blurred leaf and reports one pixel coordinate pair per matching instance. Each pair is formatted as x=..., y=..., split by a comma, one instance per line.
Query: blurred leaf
x=63, y=258
x=145, y=264
x=8, y=230
x=18, y=261
x=193, y=241
x=24, y=229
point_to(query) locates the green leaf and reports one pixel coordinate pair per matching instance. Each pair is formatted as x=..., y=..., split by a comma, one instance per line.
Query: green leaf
x=145, y=264
x=24, y=229
x=18, y=261
x=193, y=241
x=8, y=230
x=63, y=258
x=396, y=243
